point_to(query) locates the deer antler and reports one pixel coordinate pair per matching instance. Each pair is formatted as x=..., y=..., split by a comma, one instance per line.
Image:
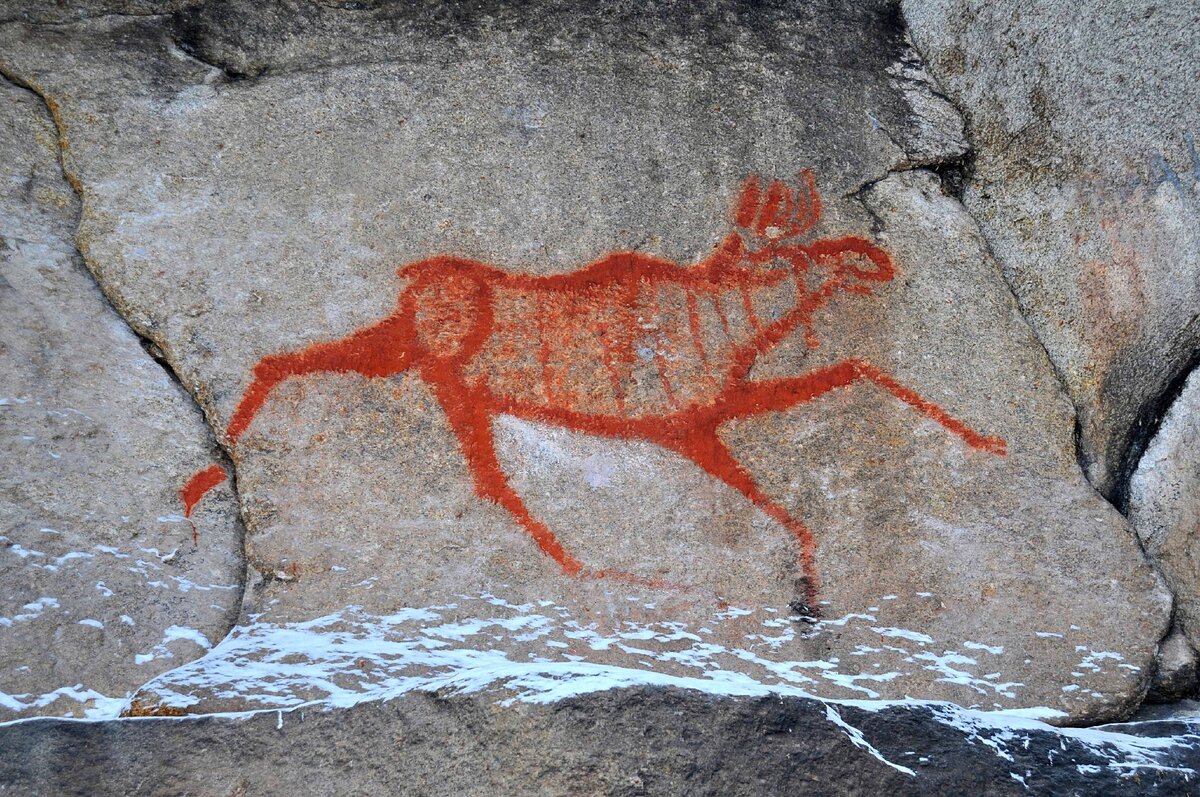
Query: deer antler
x=779, y=214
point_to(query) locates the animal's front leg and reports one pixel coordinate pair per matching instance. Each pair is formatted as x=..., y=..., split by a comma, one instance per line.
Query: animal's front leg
x=752, y=398
x=702, y=445
x=995, y=445
x=471, y=420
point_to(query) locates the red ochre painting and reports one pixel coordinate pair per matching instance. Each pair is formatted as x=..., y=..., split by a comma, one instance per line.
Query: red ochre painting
x=631, y=346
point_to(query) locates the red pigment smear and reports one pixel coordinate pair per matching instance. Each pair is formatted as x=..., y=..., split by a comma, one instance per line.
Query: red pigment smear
x=447, y=315
x=199, y=485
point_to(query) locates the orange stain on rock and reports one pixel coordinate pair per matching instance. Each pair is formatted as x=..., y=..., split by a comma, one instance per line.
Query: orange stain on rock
x=631, y=346
x=196, y=488
x=199, y=485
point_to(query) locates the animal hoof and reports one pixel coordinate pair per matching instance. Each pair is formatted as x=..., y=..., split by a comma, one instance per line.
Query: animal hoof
x=805, y=613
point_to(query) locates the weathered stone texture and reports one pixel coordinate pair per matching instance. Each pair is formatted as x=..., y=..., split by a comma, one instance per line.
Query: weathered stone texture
x=101, y=584
x=59, y=12
x=1085, y=180
x=252, y=178
x=1175, y=676
x=1164, y=507
x=621, y=742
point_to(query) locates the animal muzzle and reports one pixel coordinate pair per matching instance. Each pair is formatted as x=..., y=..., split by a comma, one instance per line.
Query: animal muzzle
x=854, y=257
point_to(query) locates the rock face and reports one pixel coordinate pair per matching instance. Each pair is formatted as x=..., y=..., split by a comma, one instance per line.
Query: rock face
x=1175, y=676
x=103, y=585
x=636, y=742
x=1086, y=182
x=1164, y=509
x=628, y=403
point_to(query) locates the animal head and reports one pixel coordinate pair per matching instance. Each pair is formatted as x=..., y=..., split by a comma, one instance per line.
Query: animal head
x=775, y=226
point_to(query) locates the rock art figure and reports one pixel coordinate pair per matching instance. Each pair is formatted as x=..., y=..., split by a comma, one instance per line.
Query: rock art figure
x=631, y=346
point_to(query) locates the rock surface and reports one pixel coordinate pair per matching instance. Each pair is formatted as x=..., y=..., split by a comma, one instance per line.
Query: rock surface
x=1175, y=676
x=251, y=182
x=1164, y=505
x=625, y=742
x=101, y=584
x=1085, y=179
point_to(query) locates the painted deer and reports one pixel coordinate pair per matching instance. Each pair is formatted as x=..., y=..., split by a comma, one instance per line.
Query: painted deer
x=631, y=346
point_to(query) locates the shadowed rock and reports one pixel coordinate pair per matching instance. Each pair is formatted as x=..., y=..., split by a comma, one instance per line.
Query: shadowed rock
x=1085, y=178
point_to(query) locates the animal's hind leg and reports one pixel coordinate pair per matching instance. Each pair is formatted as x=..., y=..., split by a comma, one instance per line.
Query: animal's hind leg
x=472, y=424
x=705, y=448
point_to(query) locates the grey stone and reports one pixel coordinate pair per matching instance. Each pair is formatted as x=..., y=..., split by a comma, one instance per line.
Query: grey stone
x=1175, y=675
x=1085, y=180
x=1164, y=506
x=101, y=584
x=1185, y=710
x=622, y=742
x=251, y=180
x=55, y=13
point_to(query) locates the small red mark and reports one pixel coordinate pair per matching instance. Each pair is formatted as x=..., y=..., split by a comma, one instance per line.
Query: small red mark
x=585, y=351
x=199, y=485
x=196, y=488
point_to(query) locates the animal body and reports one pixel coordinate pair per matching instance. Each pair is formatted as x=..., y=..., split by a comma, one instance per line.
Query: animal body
x=631, y=346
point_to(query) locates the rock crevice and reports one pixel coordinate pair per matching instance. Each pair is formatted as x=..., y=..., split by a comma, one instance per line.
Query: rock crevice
x=88, y=532
x=1025, y=121
x=251, y=230
x=155, y=348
